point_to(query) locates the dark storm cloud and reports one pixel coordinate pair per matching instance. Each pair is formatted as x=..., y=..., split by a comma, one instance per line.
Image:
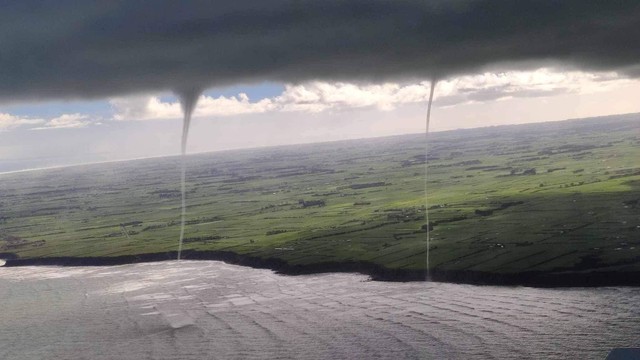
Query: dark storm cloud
x=65, y=49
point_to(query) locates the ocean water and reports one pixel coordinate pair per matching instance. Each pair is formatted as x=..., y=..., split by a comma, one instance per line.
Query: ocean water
x=212, y=310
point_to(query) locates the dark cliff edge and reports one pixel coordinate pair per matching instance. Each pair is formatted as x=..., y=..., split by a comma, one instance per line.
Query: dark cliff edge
x=584, y=278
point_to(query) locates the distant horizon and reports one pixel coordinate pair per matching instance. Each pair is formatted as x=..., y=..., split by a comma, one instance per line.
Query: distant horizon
x=37, y=134
x=177, y=155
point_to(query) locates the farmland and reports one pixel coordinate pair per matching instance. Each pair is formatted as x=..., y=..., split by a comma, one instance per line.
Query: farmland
x=549, y=197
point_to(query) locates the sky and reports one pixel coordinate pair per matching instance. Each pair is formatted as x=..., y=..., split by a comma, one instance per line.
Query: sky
x=86, y=81
x=54, y=133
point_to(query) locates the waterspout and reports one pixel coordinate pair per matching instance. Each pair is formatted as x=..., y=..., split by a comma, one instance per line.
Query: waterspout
x=188, y=100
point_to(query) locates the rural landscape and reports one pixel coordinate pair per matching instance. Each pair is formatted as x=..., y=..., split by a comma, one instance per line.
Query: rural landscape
x=560, y=198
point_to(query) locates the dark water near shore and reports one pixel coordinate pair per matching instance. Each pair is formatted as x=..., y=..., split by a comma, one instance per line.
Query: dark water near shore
x=202, y=310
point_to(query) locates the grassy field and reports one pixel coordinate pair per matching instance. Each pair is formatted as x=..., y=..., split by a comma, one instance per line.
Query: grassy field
x=554, y=196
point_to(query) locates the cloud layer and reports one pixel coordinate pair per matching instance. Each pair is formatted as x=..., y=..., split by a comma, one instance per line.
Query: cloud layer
x=320, y=96
x=95, y=48
x=9, y=121
x=317, y=97
x=66, y=121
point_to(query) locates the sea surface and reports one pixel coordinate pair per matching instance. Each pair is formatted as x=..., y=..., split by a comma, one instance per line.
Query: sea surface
x=212, y=310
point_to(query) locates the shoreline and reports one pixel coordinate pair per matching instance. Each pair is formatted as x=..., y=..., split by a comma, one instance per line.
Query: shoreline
x=376, y=272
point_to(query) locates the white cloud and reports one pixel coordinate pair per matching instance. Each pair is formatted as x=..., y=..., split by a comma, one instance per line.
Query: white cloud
x=8, y=121
x=319, y=96
x=66, y=121
x=523, y=84
x=234, y=105
x=151, y=108
x=144, y=108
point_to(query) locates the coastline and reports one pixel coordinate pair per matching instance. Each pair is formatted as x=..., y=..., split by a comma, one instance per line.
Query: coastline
x=588, y=278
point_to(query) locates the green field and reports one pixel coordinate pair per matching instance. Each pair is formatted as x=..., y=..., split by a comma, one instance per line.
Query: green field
x=552, y=196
